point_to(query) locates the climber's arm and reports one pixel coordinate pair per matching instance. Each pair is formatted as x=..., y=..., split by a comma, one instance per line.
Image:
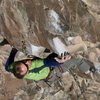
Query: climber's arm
x=55, y=61
x=10, y=59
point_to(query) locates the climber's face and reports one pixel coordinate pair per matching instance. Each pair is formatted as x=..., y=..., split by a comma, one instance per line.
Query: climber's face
x=23, y=69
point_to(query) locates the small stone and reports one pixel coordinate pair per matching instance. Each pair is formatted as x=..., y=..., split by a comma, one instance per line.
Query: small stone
x=92, y=56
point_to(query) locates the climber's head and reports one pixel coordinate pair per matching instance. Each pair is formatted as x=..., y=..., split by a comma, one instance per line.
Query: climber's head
x=20, y=69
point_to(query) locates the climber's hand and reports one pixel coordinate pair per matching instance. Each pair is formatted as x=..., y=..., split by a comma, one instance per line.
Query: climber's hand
x=63, y=58
x=88, y=72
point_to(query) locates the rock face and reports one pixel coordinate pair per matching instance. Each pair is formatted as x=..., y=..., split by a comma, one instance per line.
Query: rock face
x=24, y=22
x=34, y=22
x=78, y=86
x=93, y=8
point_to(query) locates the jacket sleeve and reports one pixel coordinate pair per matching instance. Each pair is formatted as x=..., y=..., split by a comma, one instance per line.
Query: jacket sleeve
x=10, y=59
x=50, y=61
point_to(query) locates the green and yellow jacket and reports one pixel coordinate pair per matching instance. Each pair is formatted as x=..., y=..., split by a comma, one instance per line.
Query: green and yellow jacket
x=42, y=74
x=42, y=65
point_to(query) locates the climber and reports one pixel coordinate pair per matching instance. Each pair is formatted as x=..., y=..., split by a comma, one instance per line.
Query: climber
x=36, y=68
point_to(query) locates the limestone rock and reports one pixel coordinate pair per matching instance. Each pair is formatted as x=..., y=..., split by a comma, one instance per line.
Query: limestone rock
x=94, y=8
x=77, y=47
x=92, y=56
x=34, y=22
x=77, y=40
x=21, y=95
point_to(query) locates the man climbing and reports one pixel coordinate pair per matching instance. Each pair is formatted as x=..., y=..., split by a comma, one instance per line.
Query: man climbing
x=35, y=69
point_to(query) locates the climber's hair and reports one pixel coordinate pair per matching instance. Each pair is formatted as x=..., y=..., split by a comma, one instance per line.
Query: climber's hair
x=17, y=69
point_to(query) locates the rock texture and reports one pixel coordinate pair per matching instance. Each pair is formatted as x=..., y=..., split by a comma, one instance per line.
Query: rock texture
x=76, y=22
x=93, y=8
x=23, y=22
x=80, y=87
